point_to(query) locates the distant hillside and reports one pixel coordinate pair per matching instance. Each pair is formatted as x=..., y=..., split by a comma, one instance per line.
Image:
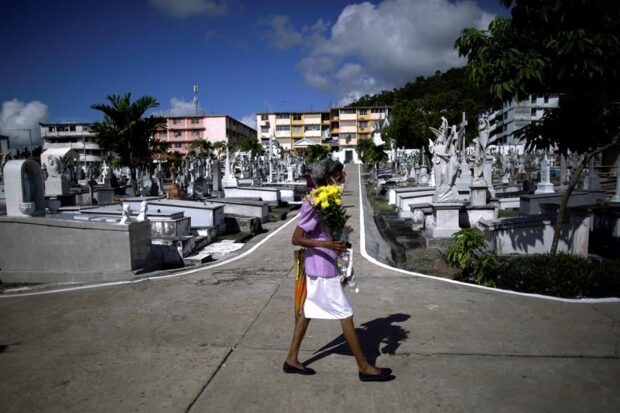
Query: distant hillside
x=420, y=104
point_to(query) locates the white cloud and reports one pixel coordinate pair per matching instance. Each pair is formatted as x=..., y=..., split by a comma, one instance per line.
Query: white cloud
x=250, y=120
x=179, y=107
x=187, y=8
x=20, y=115
x=372, y=47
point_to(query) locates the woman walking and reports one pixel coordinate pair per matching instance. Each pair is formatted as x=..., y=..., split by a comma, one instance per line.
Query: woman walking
x=325, y=295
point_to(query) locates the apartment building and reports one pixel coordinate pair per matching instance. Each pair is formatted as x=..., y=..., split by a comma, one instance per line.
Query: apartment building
x=338, y=127
x=76, y=136
x=513, y=116
x=182, y=130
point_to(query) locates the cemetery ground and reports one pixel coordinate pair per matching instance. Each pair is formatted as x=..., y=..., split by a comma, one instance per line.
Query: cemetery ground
x=215, y=338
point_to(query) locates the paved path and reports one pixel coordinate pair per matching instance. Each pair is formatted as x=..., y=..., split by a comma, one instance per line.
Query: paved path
x=214, y=341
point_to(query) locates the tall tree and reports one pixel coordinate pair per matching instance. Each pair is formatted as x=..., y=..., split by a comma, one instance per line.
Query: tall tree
x=316, y=153
x=128, y=133
x=549, y=46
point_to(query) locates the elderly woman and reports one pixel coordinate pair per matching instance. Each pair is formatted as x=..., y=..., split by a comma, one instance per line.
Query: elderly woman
x=326, y=298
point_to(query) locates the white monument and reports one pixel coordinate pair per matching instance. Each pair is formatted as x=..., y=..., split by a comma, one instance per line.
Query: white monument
x=544, y=186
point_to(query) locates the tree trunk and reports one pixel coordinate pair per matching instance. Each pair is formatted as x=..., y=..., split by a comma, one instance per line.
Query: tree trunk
x=564, y=204
x=569, y=190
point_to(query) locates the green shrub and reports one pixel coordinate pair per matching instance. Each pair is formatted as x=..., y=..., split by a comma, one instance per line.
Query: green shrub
x=561, y=275
x=467, y=254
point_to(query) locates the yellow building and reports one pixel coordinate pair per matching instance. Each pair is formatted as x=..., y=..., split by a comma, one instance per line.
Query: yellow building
x=337, y=127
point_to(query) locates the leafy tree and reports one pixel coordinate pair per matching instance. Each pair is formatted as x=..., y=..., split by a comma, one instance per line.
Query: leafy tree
x=567, y=47
x=316, y=153
x=131, y=136
x=371, y=154
x=251, y=144
x=422, y=103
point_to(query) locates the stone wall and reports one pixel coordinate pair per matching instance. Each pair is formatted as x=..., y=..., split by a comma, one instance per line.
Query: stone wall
x=34, y=250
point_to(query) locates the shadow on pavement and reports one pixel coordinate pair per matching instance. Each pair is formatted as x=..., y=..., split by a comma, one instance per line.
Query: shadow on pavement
x=372, y=335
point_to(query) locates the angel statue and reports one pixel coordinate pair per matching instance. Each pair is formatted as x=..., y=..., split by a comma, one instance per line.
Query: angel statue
x=445, y=162
x=481, y=143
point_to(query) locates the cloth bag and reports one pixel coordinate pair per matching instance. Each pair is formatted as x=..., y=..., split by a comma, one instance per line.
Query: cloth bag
x=299, y=259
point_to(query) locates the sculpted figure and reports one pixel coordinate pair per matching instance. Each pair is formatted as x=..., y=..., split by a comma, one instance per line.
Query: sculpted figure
x=481, y=143
x=445, y=162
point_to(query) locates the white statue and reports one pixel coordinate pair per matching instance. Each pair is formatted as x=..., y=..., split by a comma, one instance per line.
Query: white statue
x=481, y=143
x=144, y=206
x=126, y=218
x=445, y=162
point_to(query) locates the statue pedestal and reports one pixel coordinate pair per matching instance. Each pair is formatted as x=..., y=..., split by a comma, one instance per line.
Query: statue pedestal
x=445, y=218
x=544, y=188
x=229, y=181
x=478, y=195
x=57, y=187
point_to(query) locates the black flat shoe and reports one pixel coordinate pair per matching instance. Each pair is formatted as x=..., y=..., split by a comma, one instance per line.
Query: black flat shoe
x=384, y=375
x=287, y=368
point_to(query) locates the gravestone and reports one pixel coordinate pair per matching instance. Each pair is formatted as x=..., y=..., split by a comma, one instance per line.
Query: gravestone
x=544, y=186
x=23, y=188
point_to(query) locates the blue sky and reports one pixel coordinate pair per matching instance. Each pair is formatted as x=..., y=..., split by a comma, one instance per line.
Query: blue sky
x=59, y=57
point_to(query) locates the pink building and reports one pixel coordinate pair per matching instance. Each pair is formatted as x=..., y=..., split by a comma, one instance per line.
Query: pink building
x=182, y=130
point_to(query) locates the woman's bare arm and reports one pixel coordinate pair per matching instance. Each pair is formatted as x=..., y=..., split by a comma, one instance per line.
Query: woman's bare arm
x=299, y=238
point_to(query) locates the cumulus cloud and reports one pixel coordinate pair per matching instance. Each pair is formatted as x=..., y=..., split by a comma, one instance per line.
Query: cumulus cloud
x=179, y=107
x=250, y=120
x=21, y=115
x=187, y=8
x=376, y=46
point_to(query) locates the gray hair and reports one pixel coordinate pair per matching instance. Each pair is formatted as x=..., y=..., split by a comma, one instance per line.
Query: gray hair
x=324, y=168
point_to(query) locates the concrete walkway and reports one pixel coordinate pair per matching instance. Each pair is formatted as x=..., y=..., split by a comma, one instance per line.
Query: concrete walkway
x=214, y=341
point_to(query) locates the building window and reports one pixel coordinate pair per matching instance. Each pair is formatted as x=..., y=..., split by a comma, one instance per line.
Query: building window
x=176, y=121
x=264, y=129
x=296, y=116
x=362, y=125
x=195, y=121
x=347, y=111
x=177, y=134
x=312, y=127
x=533, y=99
x=546, y=99
x=177, y=145
x=346, y=123
x=282, y=116
x=52, y=129
x=72, y=128
x=298, y=129
x=264, y=116
x=363, y=111
x=195, y=133
x=533, y=112
x=283, y=128
x=163, y=133
x=377, y=110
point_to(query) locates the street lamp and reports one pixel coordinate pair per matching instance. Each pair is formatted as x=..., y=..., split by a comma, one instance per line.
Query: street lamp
x=29, y=136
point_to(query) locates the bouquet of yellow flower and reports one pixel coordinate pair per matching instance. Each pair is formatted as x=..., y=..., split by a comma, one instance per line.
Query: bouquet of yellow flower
x=327, y=202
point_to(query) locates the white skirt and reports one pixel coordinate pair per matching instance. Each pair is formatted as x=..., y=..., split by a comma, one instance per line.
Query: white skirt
x=326, y=299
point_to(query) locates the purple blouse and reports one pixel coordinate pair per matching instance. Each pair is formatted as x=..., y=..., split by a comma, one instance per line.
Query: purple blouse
x=320, y=262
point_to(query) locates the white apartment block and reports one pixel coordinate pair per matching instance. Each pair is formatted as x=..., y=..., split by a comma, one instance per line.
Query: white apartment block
x=182, y=130
x=515, y=115
x=76, y=136
x=338, y=127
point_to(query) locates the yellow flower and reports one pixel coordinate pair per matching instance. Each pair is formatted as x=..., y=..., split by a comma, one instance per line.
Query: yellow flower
x=338, y=202
x=324, y=204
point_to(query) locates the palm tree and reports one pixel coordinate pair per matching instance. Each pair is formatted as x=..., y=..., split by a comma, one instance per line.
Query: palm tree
x=131, y=136
x=201, y=147
x=220, y=148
